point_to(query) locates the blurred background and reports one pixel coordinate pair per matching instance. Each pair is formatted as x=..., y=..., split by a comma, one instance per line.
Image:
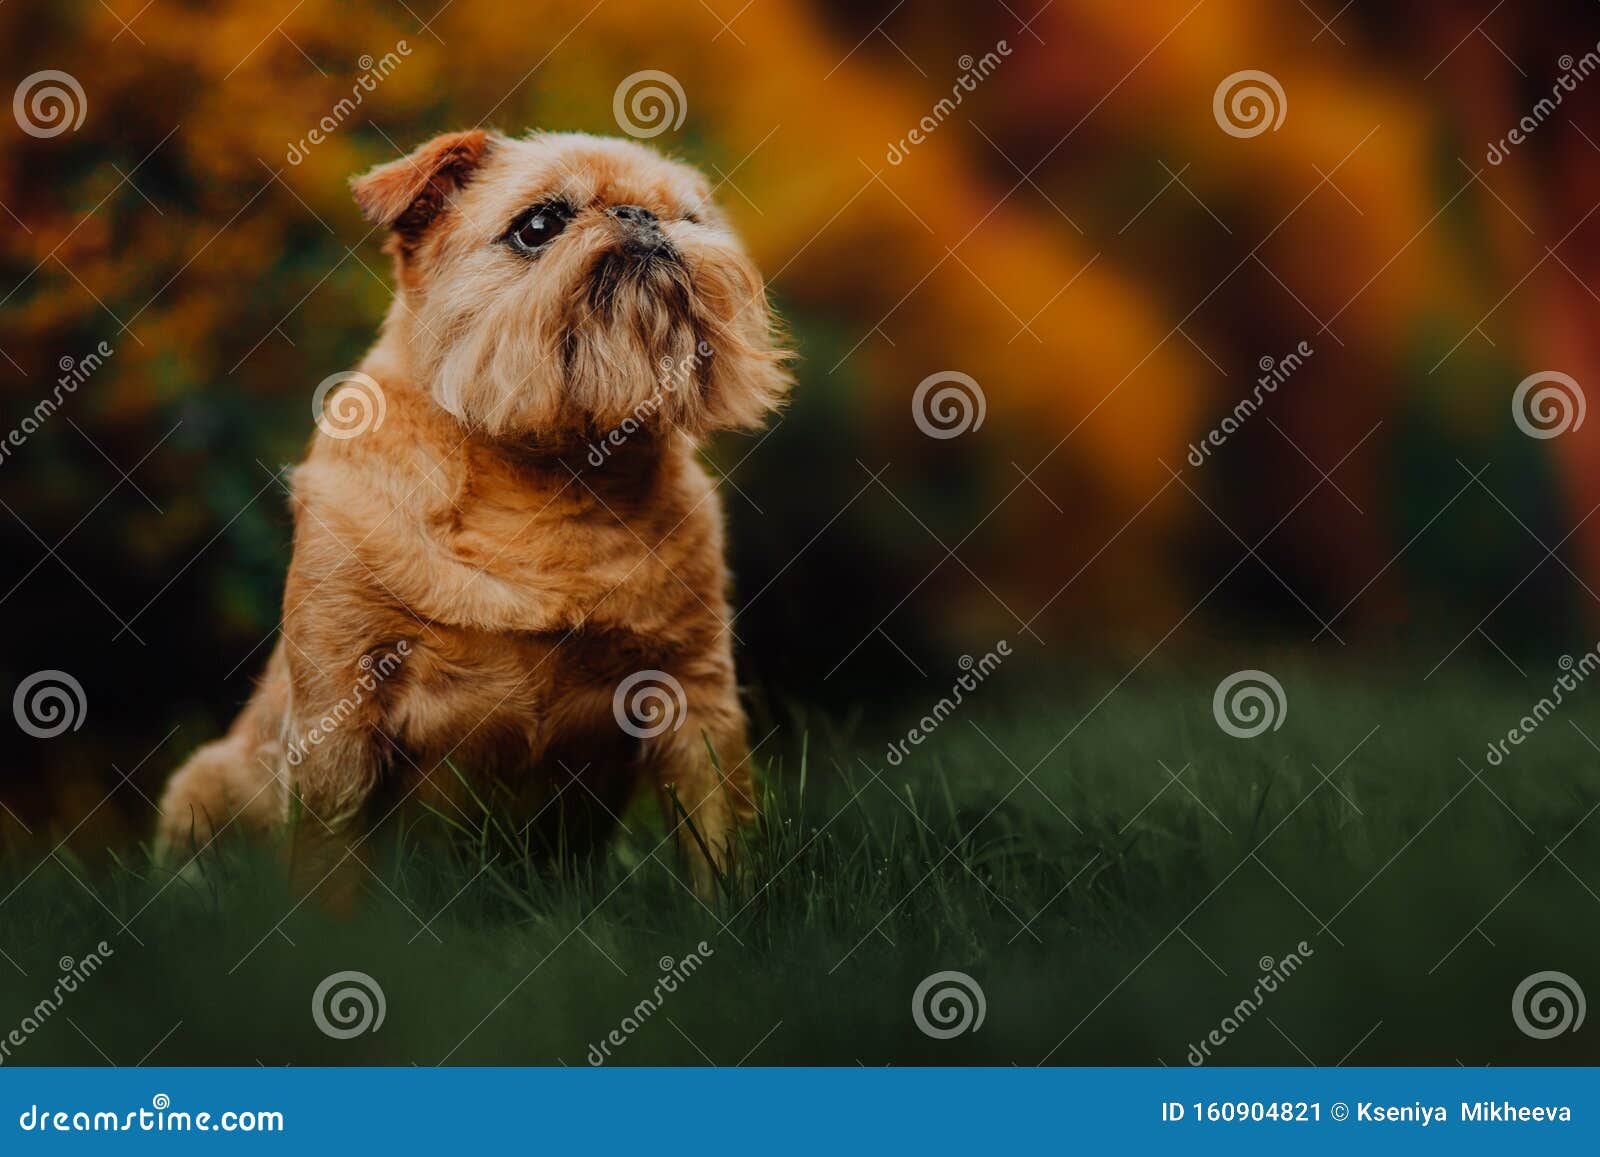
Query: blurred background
x=1113, y=257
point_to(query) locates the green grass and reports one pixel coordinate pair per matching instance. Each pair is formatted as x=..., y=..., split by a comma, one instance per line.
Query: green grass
x=1109, y=914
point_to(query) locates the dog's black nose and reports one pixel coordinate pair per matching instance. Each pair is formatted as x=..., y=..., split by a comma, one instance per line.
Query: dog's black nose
x=633, y=214
x=644, y=234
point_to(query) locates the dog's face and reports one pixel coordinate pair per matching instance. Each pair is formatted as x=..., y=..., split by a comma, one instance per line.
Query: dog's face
x=562, y=285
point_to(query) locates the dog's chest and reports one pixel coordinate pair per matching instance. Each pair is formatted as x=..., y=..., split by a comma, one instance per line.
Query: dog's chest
x=513, y=691
x=584, y=553
x=557, y=574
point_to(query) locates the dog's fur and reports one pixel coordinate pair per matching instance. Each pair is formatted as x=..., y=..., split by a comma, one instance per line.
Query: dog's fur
x=472, y=531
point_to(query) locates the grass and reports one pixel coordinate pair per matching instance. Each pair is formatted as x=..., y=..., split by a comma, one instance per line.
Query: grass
x=1114, y=904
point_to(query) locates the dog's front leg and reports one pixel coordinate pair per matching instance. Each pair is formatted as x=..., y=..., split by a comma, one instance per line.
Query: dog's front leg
x=701, y=767
x=331, y=775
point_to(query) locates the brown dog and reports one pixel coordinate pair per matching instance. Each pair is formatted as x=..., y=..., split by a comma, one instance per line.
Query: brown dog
x=508, y=561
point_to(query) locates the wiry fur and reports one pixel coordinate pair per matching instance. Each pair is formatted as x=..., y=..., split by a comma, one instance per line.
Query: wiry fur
x=524, y=582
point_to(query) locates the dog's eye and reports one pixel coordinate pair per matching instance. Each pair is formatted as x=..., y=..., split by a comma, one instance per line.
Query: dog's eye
x=539, y=227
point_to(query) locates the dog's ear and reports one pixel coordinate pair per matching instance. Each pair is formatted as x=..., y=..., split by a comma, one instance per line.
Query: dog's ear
x=407, y=194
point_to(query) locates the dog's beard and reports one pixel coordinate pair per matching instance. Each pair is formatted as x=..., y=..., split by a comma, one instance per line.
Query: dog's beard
x=628, y=352
x=652, y=282
x=637, y=310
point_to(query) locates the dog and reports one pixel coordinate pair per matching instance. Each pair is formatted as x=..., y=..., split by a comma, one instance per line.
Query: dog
x=508, y=562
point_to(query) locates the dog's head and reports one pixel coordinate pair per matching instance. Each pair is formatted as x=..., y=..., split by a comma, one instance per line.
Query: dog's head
x=562, y=285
